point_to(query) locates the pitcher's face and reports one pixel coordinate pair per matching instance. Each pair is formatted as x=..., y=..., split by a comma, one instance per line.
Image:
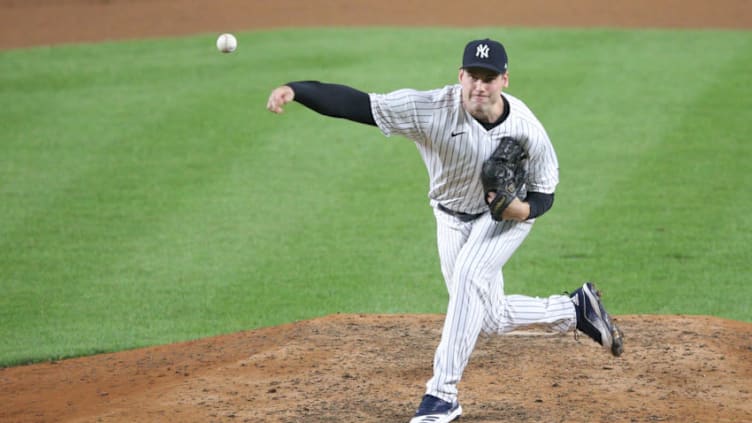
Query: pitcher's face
x=481, y=91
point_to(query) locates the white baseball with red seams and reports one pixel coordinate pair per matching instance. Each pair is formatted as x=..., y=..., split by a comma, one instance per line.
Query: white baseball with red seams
x=227, y=43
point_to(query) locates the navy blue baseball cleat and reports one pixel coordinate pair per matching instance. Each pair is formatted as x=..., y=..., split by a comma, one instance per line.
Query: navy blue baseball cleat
x=436, y=410
x=594, y=321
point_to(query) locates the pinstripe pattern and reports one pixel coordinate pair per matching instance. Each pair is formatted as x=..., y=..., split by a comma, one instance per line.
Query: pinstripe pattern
x=453, y=162
x=471, y=255
x=453, y=147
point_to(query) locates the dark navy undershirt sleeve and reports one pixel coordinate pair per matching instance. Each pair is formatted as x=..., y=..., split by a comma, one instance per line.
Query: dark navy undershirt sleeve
x=339, y=101
x=539, y=203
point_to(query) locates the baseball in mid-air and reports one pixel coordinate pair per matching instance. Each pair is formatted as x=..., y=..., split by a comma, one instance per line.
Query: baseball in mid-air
x=227, y=43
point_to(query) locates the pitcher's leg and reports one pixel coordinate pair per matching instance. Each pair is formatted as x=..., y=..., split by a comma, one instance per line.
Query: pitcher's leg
x=451, y=236
x=556, y=312
x=462, y=326
x=472, y=298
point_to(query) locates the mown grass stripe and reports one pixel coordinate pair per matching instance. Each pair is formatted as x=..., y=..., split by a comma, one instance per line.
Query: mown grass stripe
x=147, y=197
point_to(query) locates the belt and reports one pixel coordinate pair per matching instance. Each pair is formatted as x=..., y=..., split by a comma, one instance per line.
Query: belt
x=465, y=217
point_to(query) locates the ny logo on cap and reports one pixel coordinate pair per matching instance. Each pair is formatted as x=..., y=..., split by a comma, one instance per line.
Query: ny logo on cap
x=482, y=51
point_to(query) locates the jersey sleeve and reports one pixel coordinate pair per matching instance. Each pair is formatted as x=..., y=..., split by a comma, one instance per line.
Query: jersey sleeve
x=399, y=112
x=543, y=165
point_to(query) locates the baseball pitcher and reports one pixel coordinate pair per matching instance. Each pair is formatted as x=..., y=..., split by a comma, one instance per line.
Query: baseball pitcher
x=492, y=172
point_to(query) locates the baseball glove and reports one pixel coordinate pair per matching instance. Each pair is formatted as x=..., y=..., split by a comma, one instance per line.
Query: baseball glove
x=503, y=174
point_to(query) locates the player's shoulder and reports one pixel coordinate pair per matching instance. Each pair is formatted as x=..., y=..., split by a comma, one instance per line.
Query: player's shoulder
x=516, y=103
x=449, y=95
x=518, y=109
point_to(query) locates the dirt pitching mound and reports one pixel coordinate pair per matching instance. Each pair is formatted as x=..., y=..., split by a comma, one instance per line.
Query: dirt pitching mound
x=347, y=368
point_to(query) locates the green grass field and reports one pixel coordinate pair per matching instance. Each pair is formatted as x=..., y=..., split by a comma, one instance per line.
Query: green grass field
x=147, y=196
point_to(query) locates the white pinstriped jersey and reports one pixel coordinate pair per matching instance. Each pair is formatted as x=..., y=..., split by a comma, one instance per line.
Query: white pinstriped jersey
x=454, y=145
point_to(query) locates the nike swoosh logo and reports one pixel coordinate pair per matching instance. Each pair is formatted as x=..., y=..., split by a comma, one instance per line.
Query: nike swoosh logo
x=454, y=134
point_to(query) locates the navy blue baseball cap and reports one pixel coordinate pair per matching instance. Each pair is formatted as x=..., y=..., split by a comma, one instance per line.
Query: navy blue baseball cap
x=487, y=54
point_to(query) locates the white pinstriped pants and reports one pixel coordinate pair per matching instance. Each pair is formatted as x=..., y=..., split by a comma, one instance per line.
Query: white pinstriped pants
x=472, y=255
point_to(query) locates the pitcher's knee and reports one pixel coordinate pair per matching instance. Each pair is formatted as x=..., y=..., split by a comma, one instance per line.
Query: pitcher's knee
x=468, y=281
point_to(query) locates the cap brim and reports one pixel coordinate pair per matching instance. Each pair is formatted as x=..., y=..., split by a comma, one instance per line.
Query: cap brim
x=483, y=66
